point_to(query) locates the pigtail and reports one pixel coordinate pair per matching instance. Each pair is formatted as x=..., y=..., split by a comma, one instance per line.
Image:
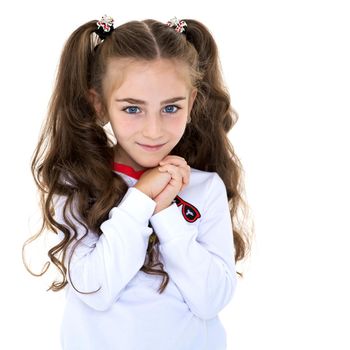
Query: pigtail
x=85, y=153
x=200, y=37
x=205, y=143
x=73, y=157
x=212, y=110
x=74, y=67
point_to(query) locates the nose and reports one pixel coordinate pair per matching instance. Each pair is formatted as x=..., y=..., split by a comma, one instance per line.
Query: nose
x=152, y=127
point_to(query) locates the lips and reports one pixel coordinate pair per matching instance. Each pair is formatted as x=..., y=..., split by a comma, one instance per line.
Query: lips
x=151, y=147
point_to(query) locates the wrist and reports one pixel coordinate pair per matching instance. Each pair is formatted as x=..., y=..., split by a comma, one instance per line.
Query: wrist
x=163, y=206
x=140, y=188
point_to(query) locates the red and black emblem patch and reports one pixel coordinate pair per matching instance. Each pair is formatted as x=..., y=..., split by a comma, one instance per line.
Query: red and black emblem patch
x=189, y=211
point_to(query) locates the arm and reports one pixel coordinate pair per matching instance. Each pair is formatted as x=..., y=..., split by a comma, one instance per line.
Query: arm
x=111, y=260
x=200, y=261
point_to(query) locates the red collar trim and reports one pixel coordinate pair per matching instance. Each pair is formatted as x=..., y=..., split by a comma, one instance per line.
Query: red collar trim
x=128, y=170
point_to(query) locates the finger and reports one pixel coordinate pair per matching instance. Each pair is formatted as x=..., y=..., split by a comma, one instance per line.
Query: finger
x=185, y=182
x=184, y=171
x=179, y=174
x=176, y=160
x=162, y=169
x=173, y=170
x=188, y=173
x=172, y=156
x=182, y=166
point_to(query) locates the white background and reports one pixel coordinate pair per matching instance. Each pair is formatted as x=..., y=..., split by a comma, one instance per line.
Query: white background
x=286, y=64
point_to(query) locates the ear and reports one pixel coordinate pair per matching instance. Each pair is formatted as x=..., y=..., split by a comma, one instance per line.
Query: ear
x=95, y=100
x=191, y=99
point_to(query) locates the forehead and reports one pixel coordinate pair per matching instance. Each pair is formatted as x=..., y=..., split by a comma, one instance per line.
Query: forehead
x=123, y=75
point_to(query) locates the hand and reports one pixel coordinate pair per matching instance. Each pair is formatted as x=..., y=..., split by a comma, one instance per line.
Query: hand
x=180, y=174
x=152, y=182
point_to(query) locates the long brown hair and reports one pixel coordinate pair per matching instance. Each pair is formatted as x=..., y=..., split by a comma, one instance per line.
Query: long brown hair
x=74, y=144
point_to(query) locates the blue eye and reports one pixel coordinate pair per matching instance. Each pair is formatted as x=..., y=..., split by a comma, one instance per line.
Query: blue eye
x=132, y=108
x=171, y=110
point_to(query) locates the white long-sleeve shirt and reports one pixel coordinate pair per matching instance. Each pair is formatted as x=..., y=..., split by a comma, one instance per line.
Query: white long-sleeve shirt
x=127, y=312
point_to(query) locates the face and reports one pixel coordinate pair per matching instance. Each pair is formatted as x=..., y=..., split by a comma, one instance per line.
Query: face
x=148, y=103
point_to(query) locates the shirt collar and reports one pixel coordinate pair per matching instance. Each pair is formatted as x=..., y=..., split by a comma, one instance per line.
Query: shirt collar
x=127, y=170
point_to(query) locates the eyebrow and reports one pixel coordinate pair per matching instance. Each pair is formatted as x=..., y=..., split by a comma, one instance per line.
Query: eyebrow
x=141, y=102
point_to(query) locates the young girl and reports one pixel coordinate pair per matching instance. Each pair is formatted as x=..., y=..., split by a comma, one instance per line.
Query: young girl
x=147, y=246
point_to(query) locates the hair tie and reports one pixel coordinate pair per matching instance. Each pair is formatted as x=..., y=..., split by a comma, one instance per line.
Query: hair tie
x=179, y=26
x=104, y=27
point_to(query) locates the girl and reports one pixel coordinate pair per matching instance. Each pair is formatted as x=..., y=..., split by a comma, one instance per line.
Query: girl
x=147, y=246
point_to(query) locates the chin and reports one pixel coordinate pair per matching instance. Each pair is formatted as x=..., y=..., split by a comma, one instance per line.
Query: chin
x=143, y=165
x=149, y=165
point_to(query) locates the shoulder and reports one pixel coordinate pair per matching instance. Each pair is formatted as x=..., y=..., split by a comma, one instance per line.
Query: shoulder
x=203, y=185
x=209, y=179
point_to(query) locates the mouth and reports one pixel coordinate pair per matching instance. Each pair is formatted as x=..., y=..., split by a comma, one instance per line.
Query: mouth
x=151, y=147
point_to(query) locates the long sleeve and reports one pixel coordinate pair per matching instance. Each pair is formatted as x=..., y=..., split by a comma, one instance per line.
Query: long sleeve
x=200, y=260
x=111, y=260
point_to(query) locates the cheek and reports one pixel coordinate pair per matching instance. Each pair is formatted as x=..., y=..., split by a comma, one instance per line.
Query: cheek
x=177, y=126
x=175, y=129
x=122, y=128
